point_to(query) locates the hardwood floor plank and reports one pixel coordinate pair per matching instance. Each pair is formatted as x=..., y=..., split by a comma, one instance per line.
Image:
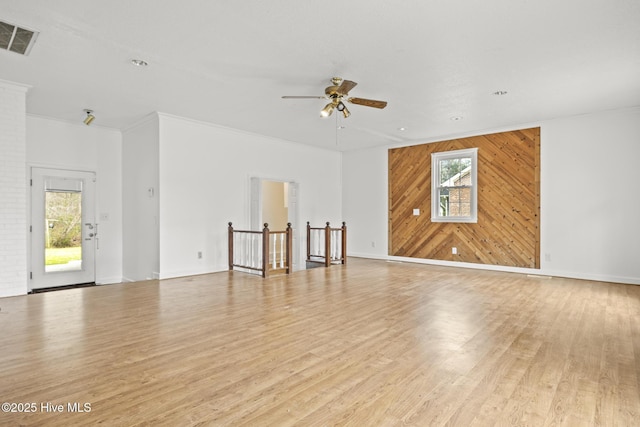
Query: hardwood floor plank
x=371, y=343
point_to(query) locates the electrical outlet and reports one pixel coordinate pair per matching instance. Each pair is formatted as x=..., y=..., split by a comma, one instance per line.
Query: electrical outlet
x=373, y=244
x=199, y=254
x=454, y=251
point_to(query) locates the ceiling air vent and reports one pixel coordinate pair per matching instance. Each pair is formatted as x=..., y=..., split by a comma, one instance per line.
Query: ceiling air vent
x=16, y=39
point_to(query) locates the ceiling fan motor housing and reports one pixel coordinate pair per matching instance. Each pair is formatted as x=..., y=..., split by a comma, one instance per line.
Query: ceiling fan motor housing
x=332, y=92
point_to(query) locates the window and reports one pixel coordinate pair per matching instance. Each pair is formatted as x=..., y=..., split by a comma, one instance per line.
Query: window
x=453, y=186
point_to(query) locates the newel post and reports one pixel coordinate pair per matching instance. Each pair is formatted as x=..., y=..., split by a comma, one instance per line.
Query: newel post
x=289, y=246
x=327, y=245
x=230, y=246
x=344, y=242
x=265, y=250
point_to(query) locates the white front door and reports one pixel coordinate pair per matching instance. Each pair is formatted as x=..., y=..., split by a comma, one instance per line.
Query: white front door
x=63, y=228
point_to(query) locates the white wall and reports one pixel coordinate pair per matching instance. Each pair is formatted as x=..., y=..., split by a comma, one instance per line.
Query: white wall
x=365, y=201
x=590, y=208
x=13, y=190
x=205, y=173
x=63, y=145
x=140, y=200
x=590, y=200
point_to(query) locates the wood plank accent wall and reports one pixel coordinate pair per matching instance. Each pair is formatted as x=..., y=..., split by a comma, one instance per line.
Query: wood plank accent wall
x=508, y=229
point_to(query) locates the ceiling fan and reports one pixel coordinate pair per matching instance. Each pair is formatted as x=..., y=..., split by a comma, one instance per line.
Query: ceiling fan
x=336, y=94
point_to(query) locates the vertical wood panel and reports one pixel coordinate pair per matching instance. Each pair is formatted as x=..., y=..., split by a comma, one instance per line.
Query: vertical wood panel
x=508, y=228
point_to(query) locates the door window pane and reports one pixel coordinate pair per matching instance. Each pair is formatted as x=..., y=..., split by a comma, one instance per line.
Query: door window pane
x=63, y=231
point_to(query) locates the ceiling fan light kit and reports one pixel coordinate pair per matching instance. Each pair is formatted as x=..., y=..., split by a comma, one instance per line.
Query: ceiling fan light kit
x=327, y=110
x=337, y=93
x=344, y=109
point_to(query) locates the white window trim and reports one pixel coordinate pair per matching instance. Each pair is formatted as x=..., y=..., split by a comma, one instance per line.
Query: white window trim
x=435, y=162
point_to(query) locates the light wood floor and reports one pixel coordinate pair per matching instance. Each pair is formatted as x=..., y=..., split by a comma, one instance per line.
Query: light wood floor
x=369, y=344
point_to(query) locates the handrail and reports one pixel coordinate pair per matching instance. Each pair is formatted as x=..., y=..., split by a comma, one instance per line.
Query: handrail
x=254, y=253
x=329, y=252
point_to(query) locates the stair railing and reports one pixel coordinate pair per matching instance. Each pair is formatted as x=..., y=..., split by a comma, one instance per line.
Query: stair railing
x=327, y=245
x=261, y=251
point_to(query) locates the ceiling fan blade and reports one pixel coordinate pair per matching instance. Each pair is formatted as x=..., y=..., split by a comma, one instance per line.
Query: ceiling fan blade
x=304, y=97
x=368, y=102
x=345, y=87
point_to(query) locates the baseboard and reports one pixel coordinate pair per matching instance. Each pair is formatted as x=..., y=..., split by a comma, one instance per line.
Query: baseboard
x=109, y=280
x=186, y=273
x=530, y=271
x=594, y=277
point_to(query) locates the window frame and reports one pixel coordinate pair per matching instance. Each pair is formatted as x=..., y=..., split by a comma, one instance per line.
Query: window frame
x=436, y=158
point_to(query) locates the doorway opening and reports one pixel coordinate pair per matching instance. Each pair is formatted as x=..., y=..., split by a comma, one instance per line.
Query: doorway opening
x=276, y=203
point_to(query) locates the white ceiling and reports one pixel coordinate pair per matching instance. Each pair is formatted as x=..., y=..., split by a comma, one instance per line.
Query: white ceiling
x=229, y=63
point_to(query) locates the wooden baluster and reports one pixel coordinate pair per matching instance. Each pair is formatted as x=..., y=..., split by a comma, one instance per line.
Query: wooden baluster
x=327, y=245
x=230, y=242
x=308, y=241
x=313, y=243
x=240, y=248
x=275, y=251
x=265, y=250
x=237, y=255
x=245, y=249
x=237, y=248
x=290, y=246
x=344, y=242
x=252, y=250
x=256, y=250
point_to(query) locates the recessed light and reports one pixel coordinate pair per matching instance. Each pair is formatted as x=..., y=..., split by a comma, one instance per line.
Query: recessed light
x=139, y=62
x=402, y=129
x=500, y=92
x=456, y=118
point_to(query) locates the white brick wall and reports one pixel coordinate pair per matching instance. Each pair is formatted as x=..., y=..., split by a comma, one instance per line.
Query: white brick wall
x=13, y=190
